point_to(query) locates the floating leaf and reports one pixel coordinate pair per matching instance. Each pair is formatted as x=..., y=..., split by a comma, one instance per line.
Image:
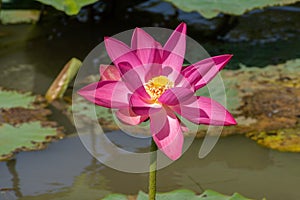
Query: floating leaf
x=265, y=98
x=181, y=195
x=90, y=111
x=282, y=140
x=116, y=197
x=60, y=84
x=210, y=9
x=23, y=123
x=70, y=7
x=17, y=107
x=26, y=137
x=10, y=99
x=83, y=107
x=177, y=194
x=212, y=195
x=19, y=16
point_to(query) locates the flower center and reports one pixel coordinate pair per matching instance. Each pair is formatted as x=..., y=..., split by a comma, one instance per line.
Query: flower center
x=157, y=86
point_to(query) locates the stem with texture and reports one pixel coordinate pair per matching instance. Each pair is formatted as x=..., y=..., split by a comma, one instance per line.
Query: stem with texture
x=152, y=173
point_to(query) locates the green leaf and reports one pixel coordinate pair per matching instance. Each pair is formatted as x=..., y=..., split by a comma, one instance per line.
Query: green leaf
x=23, y=123
x=83, y=107
x=212, y=195
x=26, y=137
x=10, y=99
x=176, y=195
x=210, y=9
x=19, y=16
x=181, y=195
x=116, y=197
x=70, y=7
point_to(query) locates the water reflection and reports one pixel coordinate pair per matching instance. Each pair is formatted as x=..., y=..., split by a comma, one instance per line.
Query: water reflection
x=7, y=194
x=11, y=165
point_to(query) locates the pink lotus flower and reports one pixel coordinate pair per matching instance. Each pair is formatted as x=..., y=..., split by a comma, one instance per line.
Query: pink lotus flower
x=147, y=82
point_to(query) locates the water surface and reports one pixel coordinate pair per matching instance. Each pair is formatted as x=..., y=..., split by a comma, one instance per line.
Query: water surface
x=67, y=171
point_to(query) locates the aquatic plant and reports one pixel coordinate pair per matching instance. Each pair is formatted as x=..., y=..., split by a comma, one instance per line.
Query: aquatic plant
x=148, y=82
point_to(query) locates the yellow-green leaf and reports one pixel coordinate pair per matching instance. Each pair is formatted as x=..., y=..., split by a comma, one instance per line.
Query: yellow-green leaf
x=70, y=7
x=19, y=16
x=210, y=9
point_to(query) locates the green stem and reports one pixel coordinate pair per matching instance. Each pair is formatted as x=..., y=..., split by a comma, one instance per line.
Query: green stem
x=152, y=173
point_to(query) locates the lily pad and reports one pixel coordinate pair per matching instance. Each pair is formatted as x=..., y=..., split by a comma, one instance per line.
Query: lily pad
x=282, y=140
x=23, y=123
x=266, y=99
x=18, y=107
x=70, y=7
x=19, y=16
x=26, y=137
x=210, y=9
x=181, y=195
x=11, y=99
x=88, y=111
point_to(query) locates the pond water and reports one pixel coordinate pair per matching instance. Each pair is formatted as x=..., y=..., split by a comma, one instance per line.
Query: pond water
x=31, y=57
x=67, y=171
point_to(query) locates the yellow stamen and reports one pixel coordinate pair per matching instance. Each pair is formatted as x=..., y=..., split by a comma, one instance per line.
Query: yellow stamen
x=157, y=86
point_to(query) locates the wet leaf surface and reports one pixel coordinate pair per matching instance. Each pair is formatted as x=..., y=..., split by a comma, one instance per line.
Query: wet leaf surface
x=71, y=7
x=18, y=107
x=11, y=99
x=179, y=195
x=269, y=103
x=89, y=111
x=282, y=140
x=19, y=16
x=24, y=125
x=91, y=114
x=210, y=9
x=25, y=137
